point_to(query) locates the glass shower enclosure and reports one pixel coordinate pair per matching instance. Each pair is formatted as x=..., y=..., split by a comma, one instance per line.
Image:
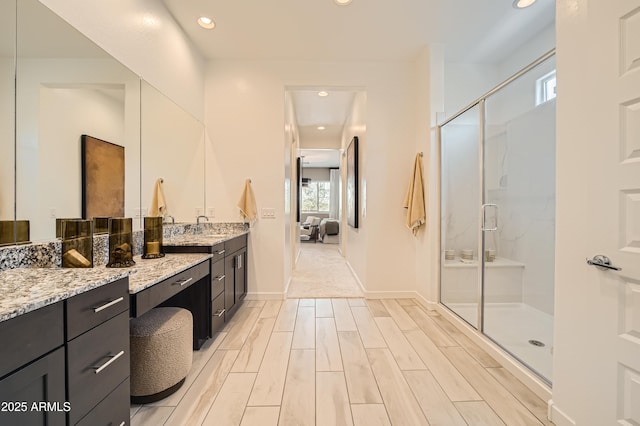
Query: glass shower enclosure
x=497, y=228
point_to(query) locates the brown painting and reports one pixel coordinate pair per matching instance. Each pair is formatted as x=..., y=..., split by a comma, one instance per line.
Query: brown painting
x=102, y=178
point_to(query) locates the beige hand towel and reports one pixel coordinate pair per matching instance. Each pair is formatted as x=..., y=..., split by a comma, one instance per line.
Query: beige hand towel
x=247, y=203
x=158, y=203
x=414, y=200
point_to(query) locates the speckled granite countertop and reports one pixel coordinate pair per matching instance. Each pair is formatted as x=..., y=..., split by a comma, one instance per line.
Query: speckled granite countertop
x=27, y=289
x=147, y=272
x=203, y=239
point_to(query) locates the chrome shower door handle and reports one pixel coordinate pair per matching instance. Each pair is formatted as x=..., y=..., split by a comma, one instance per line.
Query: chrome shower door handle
x=484, y=217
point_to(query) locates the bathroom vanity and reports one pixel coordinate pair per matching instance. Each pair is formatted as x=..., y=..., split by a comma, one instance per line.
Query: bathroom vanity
x=65, y=332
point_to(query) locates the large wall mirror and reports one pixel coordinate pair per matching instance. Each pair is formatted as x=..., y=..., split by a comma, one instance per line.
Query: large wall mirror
x=172, y=144
x=67, y=86
x=7, y=114
x=57, y=85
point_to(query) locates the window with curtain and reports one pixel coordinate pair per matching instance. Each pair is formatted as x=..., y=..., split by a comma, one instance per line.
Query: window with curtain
x=316, y=196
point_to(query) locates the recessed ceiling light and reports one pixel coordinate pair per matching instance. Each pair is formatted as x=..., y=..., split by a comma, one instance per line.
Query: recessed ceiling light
x=206, y=22
x=521, y=4
x=342, y=2
x=322, y=93
x=320, y=127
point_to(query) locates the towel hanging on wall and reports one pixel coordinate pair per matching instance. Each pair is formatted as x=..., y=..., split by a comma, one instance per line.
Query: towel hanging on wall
x=158, y=202
x=414, y=200
x=247, y=203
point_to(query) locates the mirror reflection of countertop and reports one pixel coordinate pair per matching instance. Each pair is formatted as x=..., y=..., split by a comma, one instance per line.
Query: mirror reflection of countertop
x=206, y=238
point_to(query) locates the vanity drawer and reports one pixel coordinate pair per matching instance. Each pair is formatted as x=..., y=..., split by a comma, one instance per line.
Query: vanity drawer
x=98, y=361
x=217, y=314
x=236, y=244
x=218, y=251
x=30, y=335
x=151, y=297
x=94, y=307
x=113, y=410
x=217, y=279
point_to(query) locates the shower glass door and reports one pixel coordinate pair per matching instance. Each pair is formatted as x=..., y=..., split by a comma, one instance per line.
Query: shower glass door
x=519, y=220
x=460, y=215
x=497, y=189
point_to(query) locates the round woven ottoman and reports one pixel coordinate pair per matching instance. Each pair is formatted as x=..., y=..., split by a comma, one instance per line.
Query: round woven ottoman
x=161, y=353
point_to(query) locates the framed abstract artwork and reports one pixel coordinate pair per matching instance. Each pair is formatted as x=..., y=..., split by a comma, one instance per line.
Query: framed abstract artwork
x=352, y=183
x=102, y=178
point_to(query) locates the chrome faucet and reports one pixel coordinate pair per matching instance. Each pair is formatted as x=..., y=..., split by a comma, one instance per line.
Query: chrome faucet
x=173, y=219
x=201, y=216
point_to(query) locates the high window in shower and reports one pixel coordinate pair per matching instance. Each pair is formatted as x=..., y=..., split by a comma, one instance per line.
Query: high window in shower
x=498, y=215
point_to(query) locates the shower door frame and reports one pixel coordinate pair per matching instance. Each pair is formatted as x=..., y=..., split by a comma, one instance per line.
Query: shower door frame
x=481, y=103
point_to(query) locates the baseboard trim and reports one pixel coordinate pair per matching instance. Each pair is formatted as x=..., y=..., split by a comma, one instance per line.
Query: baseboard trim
x=286, y=287
x=427, y=304
x=390, y=295
x=558, y=417
x=355, y=276
x=266, y=296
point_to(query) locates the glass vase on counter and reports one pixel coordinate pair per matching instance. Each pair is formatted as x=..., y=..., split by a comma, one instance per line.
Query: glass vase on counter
x=120, y=243
x=77, y=243
x=152, y=238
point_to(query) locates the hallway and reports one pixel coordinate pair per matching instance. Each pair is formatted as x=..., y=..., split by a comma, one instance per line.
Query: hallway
x=321, y=271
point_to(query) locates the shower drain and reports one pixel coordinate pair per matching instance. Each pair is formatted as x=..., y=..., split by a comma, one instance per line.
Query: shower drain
x=536, y=343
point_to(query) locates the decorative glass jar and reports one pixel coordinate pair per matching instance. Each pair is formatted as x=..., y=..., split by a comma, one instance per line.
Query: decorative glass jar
x=120, y=242
x=152, y=238
x=77, y=243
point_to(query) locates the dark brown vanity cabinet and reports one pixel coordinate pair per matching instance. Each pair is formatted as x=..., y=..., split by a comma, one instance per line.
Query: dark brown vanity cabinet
x=98, y=355
x=228, y=276
x=32, y=368
x=236, y=281
x=68, y=362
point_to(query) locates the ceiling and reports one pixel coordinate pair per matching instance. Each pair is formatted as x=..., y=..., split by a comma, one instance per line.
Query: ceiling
x=365, y=30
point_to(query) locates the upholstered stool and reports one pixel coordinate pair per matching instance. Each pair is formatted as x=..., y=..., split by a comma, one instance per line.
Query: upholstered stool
x=161, y=353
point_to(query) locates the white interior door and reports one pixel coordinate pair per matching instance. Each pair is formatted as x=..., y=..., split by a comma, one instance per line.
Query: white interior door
x=597, y=359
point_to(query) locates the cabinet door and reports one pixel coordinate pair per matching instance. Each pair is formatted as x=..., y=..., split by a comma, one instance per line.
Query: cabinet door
x=229, y=283
x=240, y=274
x=40, y=383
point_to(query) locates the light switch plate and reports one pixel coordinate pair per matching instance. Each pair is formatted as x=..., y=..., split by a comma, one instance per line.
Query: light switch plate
x=268, y=213
x=211, y=212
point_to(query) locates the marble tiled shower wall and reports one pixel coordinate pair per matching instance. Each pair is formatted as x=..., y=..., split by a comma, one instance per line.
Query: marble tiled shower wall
x=49, y=254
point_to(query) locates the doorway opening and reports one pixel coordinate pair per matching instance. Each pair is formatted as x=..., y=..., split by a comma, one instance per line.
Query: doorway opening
x=319, y=120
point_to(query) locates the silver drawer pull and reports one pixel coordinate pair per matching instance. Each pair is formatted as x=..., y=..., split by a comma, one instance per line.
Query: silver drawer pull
x=183, y=282
x=219, y=313
x=108, y=363
x=220, y=251
x=108, y=305
x=123, y=423
x=221, y=277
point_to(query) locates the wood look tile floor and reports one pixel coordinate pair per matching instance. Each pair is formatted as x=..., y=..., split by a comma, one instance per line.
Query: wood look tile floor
x=343, y=362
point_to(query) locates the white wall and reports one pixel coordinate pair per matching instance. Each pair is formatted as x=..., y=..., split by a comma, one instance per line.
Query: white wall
x=245, y=118
x=354, y=241
x=320, y=174
x=144, y=37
